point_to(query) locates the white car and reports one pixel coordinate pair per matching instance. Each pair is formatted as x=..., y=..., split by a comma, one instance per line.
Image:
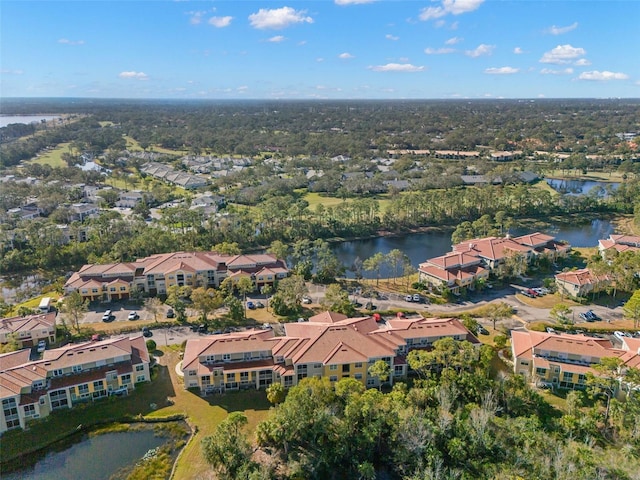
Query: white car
x=408, y=298
x=133, y=316
x=42, y=346
x=306, y=300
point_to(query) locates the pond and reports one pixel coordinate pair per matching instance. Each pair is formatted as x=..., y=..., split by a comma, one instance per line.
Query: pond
x=581, y=187
x=95, y=457
x=420, y=246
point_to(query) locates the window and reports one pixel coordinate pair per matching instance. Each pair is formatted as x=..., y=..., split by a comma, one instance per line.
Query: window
x=244, y=376
x=567, y=376
x=231, y=377
x=29, y=410
x=76, y=368
x=358, y=376
x=97, y=386
x=125, y=379
x=398, y=370
x=83, y=389
x=112, y=289
x=333, y=367
x=10, y=408
x=358, y=365
x=346, y=368
x=333, y=378
x=139, y=368
x=541, y=371
x=123, y=289
x=57, y=372
x=58, y=399
x=226, y=357
x=192, y=373
x=93, y=290
x=317, y=365
x=140, y=378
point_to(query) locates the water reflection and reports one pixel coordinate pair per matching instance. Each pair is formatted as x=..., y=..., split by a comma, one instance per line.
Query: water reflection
x=582, y=187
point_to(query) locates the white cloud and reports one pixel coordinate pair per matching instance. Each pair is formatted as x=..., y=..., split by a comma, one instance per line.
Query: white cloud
x=7, y=71
x=553, y=30
x=454, y=41
x=277, y=39
x=134, y=75
x=438, y=51
x=583, y=62
x=480, y=50
x=388, y=36
x=501, y=70
x=195, y=16
x=319, y=59
x=66, y=41
x=278, y=18
x=562, y=54
x=397, y=67
x=345, y=56
x=353, y=2
x=602, y=76
x=550, y=71
x=453, y=7
x=220, y=22
x=518, y=51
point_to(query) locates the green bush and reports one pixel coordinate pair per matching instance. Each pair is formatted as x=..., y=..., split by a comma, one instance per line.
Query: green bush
x=151, y=345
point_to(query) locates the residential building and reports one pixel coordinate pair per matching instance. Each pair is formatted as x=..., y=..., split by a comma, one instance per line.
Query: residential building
x=563, y=360
x=579, y=283
x=155, y=274
x=619, y=243
x=67, y=376
x=29, y=330
x=129, y=199
x=328, y=345
x=473, y=260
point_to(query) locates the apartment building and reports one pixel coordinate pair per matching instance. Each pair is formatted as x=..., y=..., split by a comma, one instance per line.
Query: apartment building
x=563, y=360
x=156, y=273
x=580, y=283
x=328, y=345
x=67, y=376
x=619, y=243
x=29, y=330
x=473, y=260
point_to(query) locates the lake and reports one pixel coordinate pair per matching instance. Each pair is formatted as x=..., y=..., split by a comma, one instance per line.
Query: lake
x=420, y=246
x=579, y=187
x=26, y=119
x=94, y=458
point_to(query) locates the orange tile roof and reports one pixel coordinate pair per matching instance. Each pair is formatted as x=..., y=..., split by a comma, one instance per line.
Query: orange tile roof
x=581, y=277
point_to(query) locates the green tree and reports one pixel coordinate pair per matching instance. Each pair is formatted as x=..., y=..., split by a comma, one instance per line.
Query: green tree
x=288, y=296
x=498, y=311
x=561, y=313
x=206, y=300
x=631, y=309
x=228, y=451
x=153, y=305
x=276, y=393
x=605, y=381
x=73, y=309
x=151, y=346
x=375, y=264
x=337, y=300
x=227, y=248
x=380, y=370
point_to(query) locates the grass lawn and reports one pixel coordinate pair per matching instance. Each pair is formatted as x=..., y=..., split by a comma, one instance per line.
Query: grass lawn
x=34, y=303
x=52, y=157
x=133, y=145
x=207, y=413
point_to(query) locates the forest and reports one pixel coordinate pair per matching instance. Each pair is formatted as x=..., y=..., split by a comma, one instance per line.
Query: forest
x=459, y=419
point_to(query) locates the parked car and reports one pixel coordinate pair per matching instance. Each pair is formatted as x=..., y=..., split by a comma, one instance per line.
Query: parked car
x=202, y=328
x=266, y=326
x=108, y=316
x=417, y=298
x=550, y=330
x=591, y=314
x=585, y=317
x=370, y=306
x=408, y=298
x=532, y=292
x=42, y=346
x=540, y=291
x=170, y=313
x=133, y=316
x=526, y=293
x=306, y=300
x=482, y=330
x=259, y=304
x=146, y=332
x=251, y=305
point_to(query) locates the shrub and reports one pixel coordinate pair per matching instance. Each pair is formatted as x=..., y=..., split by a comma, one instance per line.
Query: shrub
x=151, y=345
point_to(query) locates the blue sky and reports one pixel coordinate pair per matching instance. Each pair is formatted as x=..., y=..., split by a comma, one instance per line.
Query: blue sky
x=330, y=49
